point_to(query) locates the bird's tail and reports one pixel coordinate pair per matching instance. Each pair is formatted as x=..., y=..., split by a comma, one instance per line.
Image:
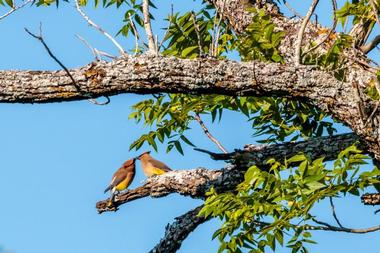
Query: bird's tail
x=107, y=189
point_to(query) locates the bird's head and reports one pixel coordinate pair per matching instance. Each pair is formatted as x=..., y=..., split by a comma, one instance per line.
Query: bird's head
x=146, y=153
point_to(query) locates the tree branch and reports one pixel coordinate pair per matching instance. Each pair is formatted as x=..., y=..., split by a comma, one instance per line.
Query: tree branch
x=371, y=199
x=100, y=29
x=15, y=8
x=152, y=74
x=195, y=183
x=370, y=45
x=148, y=27
x=208, y=134
x=178, y=231
x=298, y=45
x=315, y=147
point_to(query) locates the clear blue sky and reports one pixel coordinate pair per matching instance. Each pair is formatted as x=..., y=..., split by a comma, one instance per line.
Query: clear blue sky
x=56, y=159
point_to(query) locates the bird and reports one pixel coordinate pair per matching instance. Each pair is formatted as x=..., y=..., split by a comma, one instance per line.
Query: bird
x=151, y=166
x=122, y=178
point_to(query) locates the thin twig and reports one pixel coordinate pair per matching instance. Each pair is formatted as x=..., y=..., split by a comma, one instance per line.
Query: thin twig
x=209, y=135
x=148, y=27
x=334, y=212
x=198, y=32
x=298, y=43
x=335, y=22
x=217, y=33
x=93, y=50
x=105, y=54
x=135, y=33
x=41, y=39
x=292, y=10
x=168, y=28
x=91, y=23
x=325, y=226
x=15, y=8
x=372, y=113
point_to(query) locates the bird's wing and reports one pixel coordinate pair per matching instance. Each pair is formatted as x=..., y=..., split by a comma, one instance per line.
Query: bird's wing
x=160, y=165
x=117, y=178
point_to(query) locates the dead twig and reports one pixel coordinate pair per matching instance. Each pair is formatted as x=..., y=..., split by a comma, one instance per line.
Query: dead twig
x=93, y=50
x=15, y=8
x=170, y=19
x=135, y=33
x=298, y=43
x=75, y=84
x=100, y=29
x=335, y=22
x=209, y=135
x=198, y=32
x=334, y=212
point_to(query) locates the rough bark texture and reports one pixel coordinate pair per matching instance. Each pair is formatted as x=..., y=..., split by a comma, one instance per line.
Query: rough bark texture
x=149, y=74
x=371, y=199
x=195, y=183
x=316, y=147
x=177, y=232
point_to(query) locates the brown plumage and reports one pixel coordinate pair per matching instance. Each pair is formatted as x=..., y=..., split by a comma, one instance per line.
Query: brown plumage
x=123, y=177
x=151, y=166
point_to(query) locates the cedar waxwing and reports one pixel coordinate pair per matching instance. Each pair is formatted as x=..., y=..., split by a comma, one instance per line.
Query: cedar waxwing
x=122, y=178
x=151, y=166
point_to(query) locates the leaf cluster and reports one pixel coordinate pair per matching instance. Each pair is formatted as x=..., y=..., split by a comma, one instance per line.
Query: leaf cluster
x=271, y=204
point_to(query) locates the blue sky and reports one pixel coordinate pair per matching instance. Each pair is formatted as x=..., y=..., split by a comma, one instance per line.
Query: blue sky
x=56, y=159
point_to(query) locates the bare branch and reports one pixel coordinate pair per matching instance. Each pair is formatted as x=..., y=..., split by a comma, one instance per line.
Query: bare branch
x=93, y=50
x=334, y=212
x=178, y=231
x=97, y=27
x=209, y=135
x=292, y=10
x=198, y=32
x=327, y=227
x=135, y=33
x=168, y=28
x=298, y=43
x=148, y=28
x=335, y=22
x=74, y=82
x=371, y=45
x=41, y=39
x=15, y=8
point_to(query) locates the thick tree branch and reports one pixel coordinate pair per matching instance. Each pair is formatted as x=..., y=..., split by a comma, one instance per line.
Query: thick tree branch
x=195, y=183
x=316, y=147
x=178, y=231
x=371, y=199
x=151, y=74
